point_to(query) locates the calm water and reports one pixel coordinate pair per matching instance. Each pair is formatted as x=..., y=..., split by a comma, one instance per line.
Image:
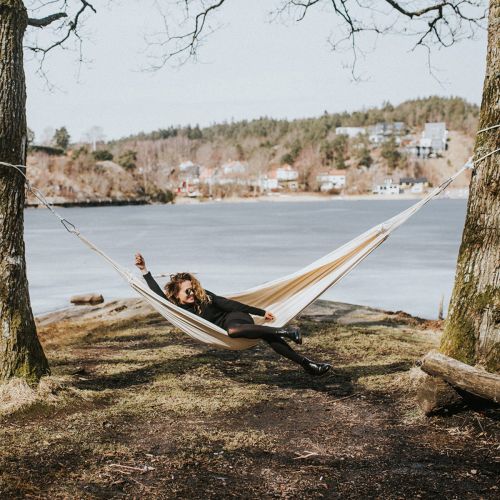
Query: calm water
x=238, y=245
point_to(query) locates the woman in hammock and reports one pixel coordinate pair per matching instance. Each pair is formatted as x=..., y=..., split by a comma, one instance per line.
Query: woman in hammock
x=185, y=291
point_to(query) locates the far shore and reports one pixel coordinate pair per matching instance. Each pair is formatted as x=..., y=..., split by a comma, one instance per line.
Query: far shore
x=278, y=197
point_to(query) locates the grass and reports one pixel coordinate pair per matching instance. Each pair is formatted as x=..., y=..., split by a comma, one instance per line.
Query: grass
x=134, y=408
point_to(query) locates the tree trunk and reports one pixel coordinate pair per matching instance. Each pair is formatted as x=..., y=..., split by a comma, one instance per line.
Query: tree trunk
x=21, y=354
x=472, y=331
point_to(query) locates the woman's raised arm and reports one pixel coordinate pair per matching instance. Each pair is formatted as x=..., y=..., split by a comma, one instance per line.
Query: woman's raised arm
x=141, y=264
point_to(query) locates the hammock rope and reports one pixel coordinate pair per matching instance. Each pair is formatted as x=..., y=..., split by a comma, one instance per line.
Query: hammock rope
x=287, y=296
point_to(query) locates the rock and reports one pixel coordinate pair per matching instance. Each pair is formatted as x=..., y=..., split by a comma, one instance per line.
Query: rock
x=91, y=299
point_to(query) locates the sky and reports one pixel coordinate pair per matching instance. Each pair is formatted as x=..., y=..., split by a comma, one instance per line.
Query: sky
x=249, y=67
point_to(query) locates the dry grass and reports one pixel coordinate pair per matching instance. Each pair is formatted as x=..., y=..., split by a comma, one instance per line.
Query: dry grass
x=136, y=409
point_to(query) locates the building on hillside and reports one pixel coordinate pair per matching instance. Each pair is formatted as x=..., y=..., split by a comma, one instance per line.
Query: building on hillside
x=414, y=185
x=189, y=185
x=351, y=132
x=286, y=173
x=435, y=137
x=185, y=165
x=189, y=169
x=265, y=183
x=189, y=179
x=434, y=140
x=232, y=172
x=287, y=177
x=333, y=179
x=277, y=179
x=234, y=168
x=387, y=188
x=381, y=131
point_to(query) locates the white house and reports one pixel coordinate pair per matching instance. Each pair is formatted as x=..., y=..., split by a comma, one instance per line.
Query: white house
x=334, y=179
x=234, y=168
x=434, y=139
x=417, y=185
x=387, y=188
x=379, y=132
x=351, y=132
x=189, y=171
x=185, y=165
x=284, y=177
x=286, y=173
x=268, y=182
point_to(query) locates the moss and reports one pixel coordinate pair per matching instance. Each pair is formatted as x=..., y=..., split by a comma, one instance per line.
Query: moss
x=460, y=335
x=458, y=340
x=492, y=363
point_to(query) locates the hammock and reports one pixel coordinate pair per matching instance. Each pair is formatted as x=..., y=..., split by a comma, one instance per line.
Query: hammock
x=286, y=297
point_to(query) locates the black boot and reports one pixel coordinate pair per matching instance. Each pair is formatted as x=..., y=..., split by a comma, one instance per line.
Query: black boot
x=315, y=369
x=292, y=333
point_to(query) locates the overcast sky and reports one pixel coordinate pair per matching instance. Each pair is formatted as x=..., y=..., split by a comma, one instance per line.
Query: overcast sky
x=248, y=68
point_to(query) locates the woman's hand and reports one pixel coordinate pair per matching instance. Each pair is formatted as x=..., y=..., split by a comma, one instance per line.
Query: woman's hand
x=269, y=316
x=140, y=262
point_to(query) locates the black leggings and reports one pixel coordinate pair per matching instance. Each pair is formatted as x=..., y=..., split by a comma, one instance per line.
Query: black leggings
x=241, y=325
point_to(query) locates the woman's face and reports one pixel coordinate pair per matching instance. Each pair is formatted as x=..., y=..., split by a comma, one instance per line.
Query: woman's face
x=186, y=293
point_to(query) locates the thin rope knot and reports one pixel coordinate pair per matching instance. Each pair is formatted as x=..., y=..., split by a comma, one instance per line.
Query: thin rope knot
x=71, y=228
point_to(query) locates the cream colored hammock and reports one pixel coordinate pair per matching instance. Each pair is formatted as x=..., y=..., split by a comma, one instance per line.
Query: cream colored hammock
x=286, y=297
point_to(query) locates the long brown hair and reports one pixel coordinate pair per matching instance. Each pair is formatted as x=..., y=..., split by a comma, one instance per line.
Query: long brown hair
x=174, y=285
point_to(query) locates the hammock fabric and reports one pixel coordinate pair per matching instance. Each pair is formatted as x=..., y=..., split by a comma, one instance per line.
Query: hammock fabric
x=286, y=297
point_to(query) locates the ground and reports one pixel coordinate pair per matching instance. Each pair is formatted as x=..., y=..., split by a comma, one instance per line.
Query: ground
x=136, y=409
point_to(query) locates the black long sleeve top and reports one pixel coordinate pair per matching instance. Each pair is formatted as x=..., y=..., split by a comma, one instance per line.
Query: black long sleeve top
x=215, y=311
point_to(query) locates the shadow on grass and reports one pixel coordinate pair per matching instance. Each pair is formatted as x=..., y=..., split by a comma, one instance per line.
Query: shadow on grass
x=241, y=367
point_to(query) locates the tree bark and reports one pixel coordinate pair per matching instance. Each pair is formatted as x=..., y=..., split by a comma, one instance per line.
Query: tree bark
x=21, y=354
x=472, y=330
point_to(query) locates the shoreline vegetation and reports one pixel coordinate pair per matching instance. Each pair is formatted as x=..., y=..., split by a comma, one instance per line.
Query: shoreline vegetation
x=136, y=408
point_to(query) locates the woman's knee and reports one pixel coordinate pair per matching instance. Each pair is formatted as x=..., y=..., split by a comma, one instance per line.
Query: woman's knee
x=232, y=330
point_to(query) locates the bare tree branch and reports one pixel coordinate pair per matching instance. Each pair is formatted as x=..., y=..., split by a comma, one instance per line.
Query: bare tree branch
x=430, y=22
x=45, y=21
x=184, y=43
x=72, y=29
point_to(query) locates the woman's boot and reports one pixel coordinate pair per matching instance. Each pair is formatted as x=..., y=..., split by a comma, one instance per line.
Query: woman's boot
x=292, y=333
x=315, y=369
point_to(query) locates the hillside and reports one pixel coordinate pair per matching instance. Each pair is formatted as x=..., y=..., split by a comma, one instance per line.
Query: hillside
x=147, y=165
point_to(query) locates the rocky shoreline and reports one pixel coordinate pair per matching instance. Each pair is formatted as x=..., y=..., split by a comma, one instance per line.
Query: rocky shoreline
x=319, y=311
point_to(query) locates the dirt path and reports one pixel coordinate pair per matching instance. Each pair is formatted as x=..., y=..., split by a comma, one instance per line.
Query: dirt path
x=137, y=410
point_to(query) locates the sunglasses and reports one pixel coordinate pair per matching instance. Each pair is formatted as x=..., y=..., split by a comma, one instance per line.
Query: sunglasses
x=189, y=292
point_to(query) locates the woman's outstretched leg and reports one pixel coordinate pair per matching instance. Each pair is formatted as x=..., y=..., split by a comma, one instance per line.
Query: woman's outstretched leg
x=282, y=348
x=273, y=336
x=252, y=331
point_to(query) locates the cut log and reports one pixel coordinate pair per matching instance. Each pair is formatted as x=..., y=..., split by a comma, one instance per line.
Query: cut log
x=472, y=380
x=92, y=299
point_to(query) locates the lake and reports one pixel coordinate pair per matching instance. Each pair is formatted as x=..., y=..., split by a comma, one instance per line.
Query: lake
x=233, y=246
